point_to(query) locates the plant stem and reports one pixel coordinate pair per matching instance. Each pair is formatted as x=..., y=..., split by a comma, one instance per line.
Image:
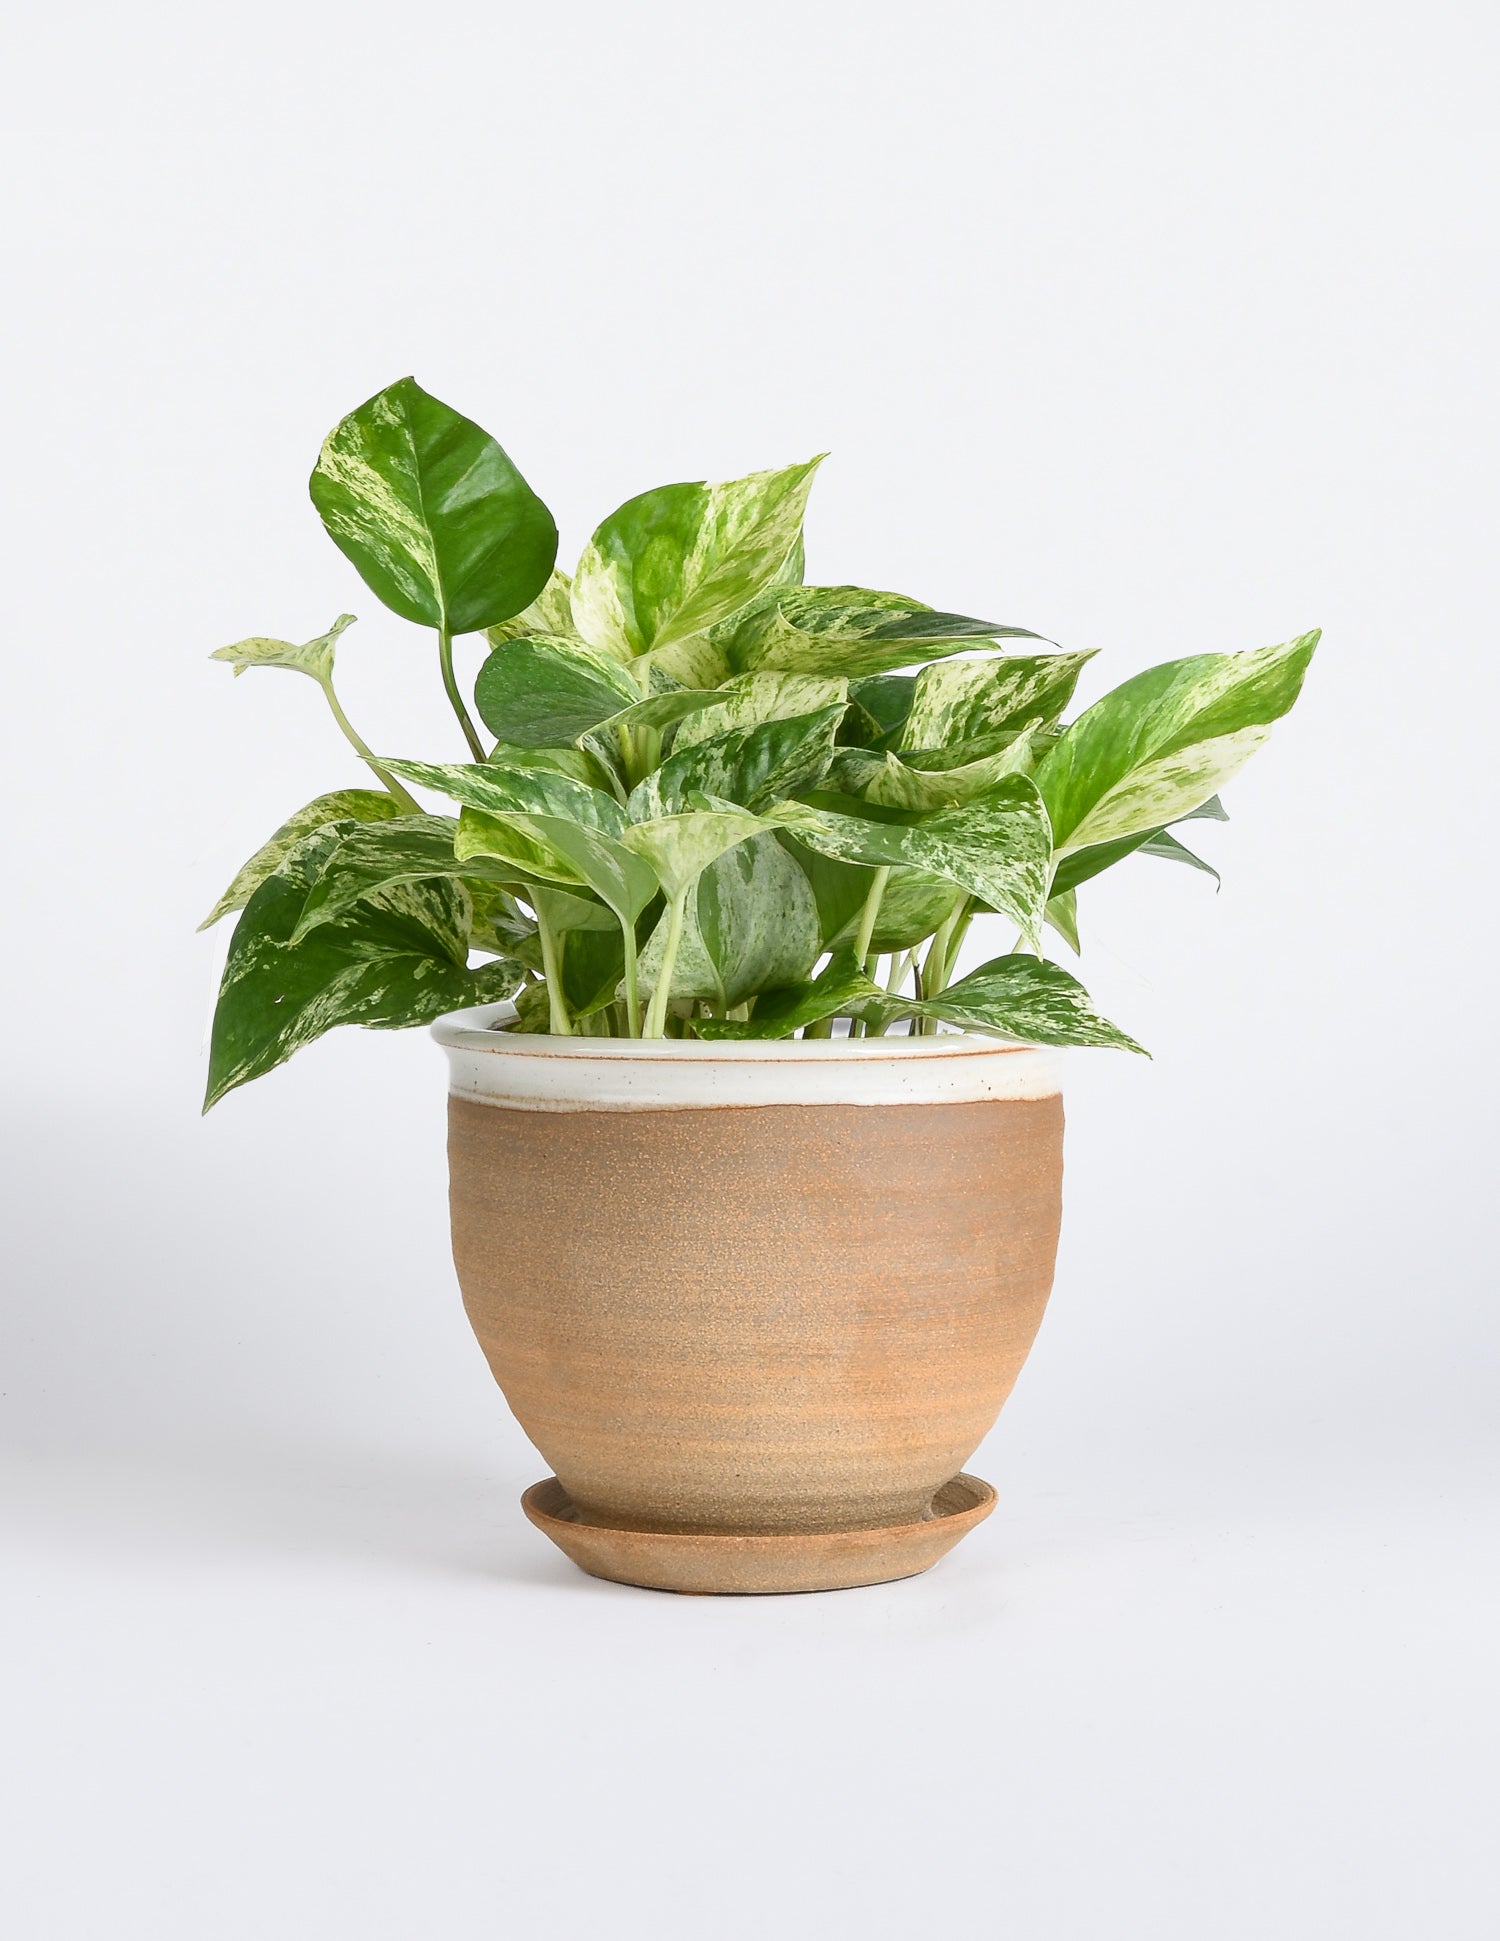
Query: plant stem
x=387, y=780
x=656, y=1014
x=900, y=971
x=445, y=661
x=632, y=996
x=868, y=918
x=558, y=1021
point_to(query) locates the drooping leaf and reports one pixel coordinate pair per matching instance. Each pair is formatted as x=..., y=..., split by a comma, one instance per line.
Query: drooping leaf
x=839, y=987
x=752, y=767
x=959, y=701
x=342, y=805
x=313, y=657
x=516, y=791
x=435, y=518
x=672, y=562
x=1062, y=915
x=846, y=630
x=544, y=693
x=559, y=850
x=1025, y=999
x=748, y=700
x=680, y=847
x=1160, y=745
x=997, y=847
x=1165, y=845
x=751, y=926
x=399, y=958
x=578, y=764
x=551, y=612
x=369, y=857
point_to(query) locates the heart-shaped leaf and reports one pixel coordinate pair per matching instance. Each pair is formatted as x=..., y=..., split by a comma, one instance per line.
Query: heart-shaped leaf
x=1160, y=745
x=672, y=562
x=751, y=926
x=1026, y=999
x=545, y=693
x=435, y=518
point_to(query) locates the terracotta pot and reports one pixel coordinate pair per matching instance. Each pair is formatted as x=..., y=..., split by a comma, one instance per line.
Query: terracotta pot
x=755, y=1304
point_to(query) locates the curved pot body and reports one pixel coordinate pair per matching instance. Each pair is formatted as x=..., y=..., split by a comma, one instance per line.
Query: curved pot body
x=753, y=1291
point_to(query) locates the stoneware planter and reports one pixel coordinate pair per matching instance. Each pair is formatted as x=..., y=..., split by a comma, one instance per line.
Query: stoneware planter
x=756, y=1304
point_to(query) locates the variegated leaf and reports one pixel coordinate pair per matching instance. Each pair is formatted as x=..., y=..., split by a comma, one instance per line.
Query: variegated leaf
x=371, y=857
x=751, y=926
x=750, y=699
x=563, y=851
x=847, y=631
x=959, y=701
x=399, y=958
x=313, y=657
x=1024, y=999
x=680, y=847
x=912, y=905
x=1062, y=915
x=342, y=805
x=516, y=791
x=841, y=986
x=997, y=847
x=551, y=612
x=435, y=518
x=1160, y=745
x=752, y=767
x=894, y=784
x=545, y=693
x=672, y=562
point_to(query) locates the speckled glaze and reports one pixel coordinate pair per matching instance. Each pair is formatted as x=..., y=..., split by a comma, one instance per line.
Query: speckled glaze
x=753, y=1291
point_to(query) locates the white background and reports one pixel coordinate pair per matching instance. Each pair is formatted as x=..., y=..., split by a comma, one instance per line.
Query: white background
x=1160, y=328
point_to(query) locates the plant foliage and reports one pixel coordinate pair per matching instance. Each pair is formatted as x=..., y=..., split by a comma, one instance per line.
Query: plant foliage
x=711, y=799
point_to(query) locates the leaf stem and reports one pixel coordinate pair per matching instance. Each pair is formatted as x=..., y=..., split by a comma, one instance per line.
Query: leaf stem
x=361, y=748
x=656, y=1014
x=869, y=916
x=558, y=1021
x=632, y=996
x=450, y=684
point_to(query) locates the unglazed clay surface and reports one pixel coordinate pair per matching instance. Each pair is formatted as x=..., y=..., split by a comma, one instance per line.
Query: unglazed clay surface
x=758, y=1319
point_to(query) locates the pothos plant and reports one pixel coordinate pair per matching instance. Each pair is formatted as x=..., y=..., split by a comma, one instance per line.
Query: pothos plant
x=712, y=800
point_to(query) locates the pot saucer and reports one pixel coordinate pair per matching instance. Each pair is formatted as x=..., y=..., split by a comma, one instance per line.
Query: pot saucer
x=822, y=1560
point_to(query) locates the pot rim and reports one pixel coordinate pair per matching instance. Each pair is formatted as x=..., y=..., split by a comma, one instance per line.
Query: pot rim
x=530, y=1071
x=474, y=1030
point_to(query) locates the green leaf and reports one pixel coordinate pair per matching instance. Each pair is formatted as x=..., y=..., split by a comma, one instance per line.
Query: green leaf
x=997, y=847
x=912, y=906
x=517, y=845
x=880, y=705
x=891, y=783
x=1165, y=845
x=353, y=805
x=752, y=767
x=680, y=847
x=847, y=630
x=437, y=521
x=399, y=958
x=748, y=700
x=1026, y=999
x=578, y=764
x=313, y=657
x=672, y=562
x=972, y=700
x=1160, y=745
x=551, y=612
x=369, y=857
x=551, y=846
x=840, y=986
x=545, y=693
x=516, y=791
x=752, y=926
x=1062, y=915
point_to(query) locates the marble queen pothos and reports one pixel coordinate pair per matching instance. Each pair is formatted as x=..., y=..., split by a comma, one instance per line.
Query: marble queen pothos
x=702, y=797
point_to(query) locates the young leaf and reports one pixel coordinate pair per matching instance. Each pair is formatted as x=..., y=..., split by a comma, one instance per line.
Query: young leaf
x=569, y=852
x=972, y=700
x=313, y=657
x=1023, y=998
x=846, y=630
x=672, y=562
x=840, y=986
x=1159, y=746
x=997, y=847
x=342, y=805
x=399, y=958
x=679, y=847
x=436, y=520
x=753, y=767
x=545, y=693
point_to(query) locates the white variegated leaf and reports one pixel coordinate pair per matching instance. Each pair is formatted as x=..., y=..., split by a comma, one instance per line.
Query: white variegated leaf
x=958, y=701
x=313, y=657
x=551, y=612
x=351, y=805
x=672, y=562
x=750, y=699
x=852, y=631
x=680, y=847
x=894, y=784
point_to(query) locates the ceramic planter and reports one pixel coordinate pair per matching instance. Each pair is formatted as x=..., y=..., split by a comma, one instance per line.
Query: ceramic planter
x=756, y=1304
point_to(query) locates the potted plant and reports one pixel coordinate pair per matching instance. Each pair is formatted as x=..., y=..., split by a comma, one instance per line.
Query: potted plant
x=755, y=1197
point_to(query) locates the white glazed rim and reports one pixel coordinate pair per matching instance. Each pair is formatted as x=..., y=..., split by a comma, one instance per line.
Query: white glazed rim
x=531, y=1071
